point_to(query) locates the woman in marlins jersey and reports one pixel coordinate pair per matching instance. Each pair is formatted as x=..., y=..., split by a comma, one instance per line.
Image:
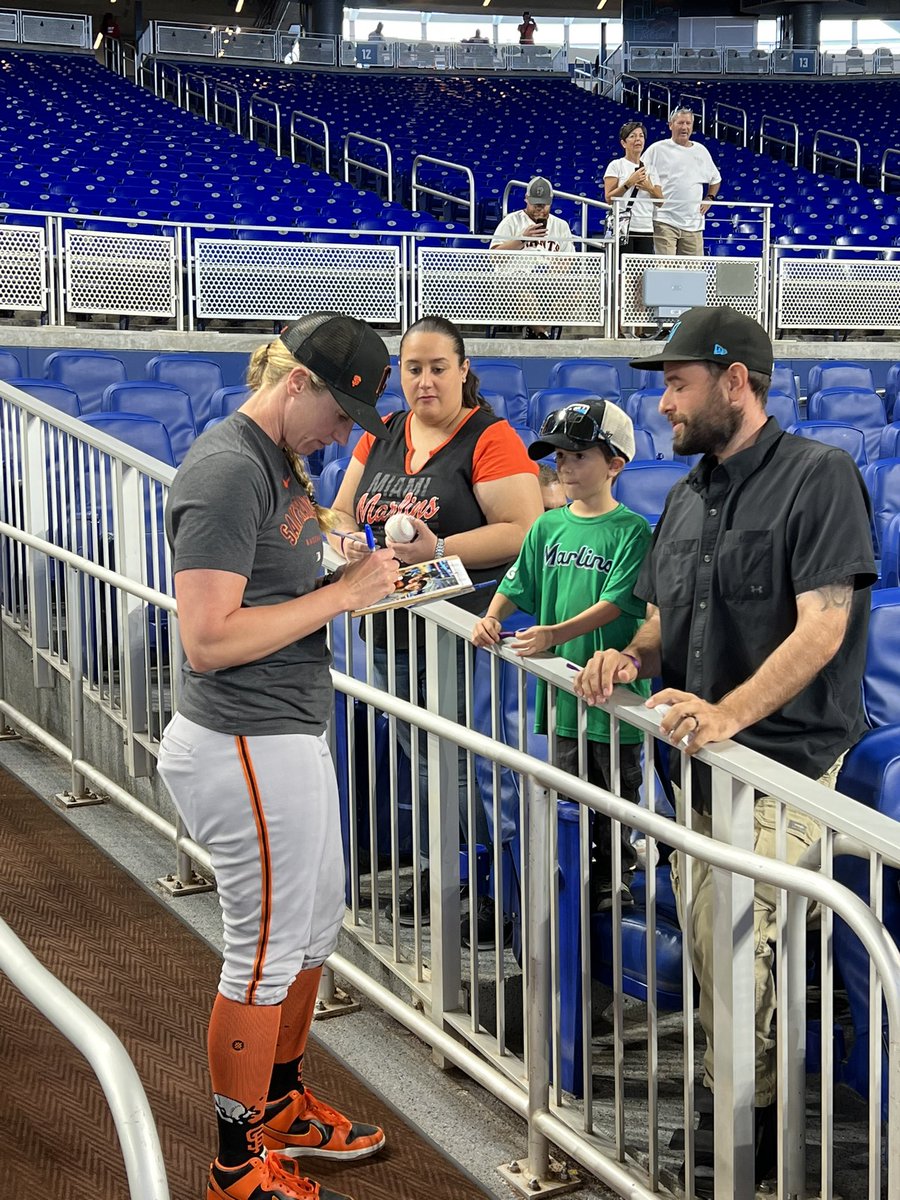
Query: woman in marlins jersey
x=245, y=757
x=464, y=479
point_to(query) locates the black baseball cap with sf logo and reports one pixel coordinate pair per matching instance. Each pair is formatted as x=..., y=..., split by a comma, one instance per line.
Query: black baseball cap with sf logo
x=715, y=335
x=348, y=356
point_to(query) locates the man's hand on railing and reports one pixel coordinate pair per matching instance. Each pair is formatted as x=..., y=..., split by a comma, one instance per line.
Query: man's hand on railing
x=693, y=721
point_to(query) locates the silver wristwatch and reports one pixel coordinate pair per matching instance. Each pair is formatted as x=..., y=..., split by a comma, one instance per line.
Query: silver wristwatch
x=439, y=548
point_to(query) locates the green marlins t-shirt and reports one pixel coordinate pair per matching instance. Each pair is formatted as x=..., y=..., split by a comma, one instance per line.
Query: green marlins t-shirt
x=568, y=564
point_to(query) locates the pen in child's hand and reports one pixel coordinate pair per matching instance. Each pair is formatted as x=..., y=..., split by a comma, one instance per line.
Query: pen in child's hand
x=370, y=537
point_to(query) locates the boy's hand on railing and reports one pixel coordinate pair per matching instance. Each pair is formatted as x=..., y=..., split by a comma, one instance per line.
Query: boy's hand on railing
x=531, y=641
x=486, y=631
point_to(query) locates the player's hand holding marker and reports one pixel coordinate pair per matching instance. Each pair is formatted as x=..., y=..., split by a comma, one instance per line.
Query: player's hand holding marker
x=367, y=580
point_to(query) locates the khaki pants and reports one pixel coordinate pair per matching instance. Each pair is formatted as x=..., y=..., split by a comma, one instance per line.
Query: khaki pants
x=801, y=832
x=667, y=239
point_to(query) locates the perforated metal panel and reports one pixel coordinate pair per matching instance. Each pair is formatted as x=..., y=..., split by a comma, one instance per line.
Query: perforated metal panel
x=185, y=39
x=127, y=273
x=9, y=26
x=843, y=293
x=512, y=287
x=23, y=268
x=45, y=30
x=634, y=311
x=266, y=280
x=256, y=46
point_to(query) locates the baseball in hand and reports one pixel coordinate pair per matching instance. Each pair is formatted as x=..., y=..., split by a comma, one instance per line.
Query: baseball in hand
x=399, y=528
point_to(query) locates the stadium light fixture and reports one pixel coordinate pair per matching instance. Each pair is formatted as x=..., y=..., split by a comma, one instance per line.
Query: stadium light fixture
x=98, y=39
x=238, y=6
x=602, y=4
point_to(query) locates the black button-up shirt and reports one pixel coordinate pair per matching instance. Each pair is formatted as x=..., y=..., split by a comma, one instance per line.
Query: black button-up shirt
x=738, y=541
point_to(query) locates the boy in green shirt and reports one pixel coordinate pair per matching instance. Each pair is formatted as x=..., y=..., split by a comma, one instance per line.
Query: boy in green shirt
x=576, y=573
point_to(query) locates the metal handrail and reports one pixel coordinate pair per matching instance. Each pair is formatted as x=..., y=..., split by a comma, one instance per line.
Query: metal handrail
x=227, y=89
x=741, y=129
x=885, y=173
x=855, y=162
x=387, y=174
x=162, y=72
x=430, y=191
x=188, y=94
x=627, y=90
x=768, y=137
x=253, y=120
x=651, y=99
x=295, y=137
x=109, y=1059
x=702, y=102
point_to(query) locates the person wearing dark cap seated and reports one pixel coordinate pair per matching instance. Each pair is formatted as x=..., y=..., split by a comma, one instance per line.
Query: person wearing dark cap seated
x=535, y=230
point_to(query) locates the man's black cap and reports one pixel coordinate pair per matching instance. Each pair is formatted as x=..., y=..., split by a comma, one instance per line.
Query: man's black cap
x=715, y=335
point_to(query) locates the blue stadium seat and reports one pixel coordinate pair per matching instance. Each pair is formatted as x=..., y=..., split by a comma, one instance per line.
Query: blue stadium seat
x=199, y=377
x=496, y=400
x=838, y=374
x=162, y=401
x=548, y=400
x=889, y=442
x=214, y=421
x=784, y=380
x=142, y=433
x=835, y=433
x=336, y=451
x=330, y=480
x=892, y=385
x=855, y=406
x=783, y=408
x=390, y=401
x=890, y=554
x=599, y=378
x=54, y=394
x=87, y=372
x=10, y=368
x=883, y=481
x=644, y=486
x=643, y=408
x=225, y=400
x=644, y=446
x=498, y=375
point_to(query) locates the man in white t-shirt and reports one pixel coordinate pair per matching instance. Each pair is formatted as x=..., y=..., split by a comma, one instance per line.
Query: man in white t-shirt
x=689, y=179
x=536, y=231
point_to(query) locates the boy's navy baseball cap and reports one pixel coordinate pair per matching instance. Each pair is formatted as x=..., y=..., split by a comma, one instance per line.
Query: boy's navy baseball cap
x=350, y=359
x=715, y=335
x=582, y=425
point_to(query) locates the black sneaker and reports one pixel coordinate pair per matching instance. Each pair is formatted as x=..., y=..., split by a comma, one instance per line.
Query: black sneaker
x=602, y=896
x=406, y=904
x=484, y=925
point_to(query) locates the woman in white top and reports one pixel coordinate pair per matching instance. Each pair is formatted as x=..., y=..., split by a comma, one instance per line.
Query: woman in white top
x=627, y=179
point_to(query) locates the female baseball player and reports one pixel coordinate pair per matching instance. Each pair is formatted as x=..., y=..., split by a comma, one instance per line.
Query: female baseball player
x=245, y=756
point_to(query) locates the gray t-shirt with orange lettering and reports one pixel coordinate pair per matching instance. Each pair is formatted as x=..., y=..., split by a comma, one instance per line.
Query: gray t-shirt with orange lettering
x=236, y=506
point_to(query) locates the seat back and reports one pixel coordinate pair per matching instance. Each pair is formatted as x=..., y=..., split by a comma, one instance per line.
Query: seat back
x=199, y=377
x=162, y=401
x=835, y=433
x=861, y=407
x=644, y=411
x=87, y=372
x=892, y=386
x=599, y=378
x=783, y=380
x=838, y=374
x=783, y=407
x=890, y=553
x=881, y=679
x=336, y=451
x=644, y=446
x=548, y=400
x=498, y=375
x=889, y=442
x=644, y=486
x=55, y=394
x=330, y=480
x=883, y=481
x=10, y=368
x=224, y=401
x=139, y=432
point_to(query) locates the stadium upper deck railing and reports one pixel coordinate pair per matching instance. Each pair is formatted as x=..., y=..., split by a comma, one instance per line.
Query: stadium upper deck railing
x=82, y=647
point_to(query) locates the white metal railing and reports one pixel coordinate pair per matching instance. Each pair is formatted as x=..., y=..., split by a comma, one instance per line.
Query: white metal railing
x=427, y=190
x=49, y=643
x=889, y=153
x=227, y=100
x=386, y=173
x=256, y=122
x=855, y=161
x=720, y=122
x=295, y=136
x=108, y=1058
x=765, y=137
